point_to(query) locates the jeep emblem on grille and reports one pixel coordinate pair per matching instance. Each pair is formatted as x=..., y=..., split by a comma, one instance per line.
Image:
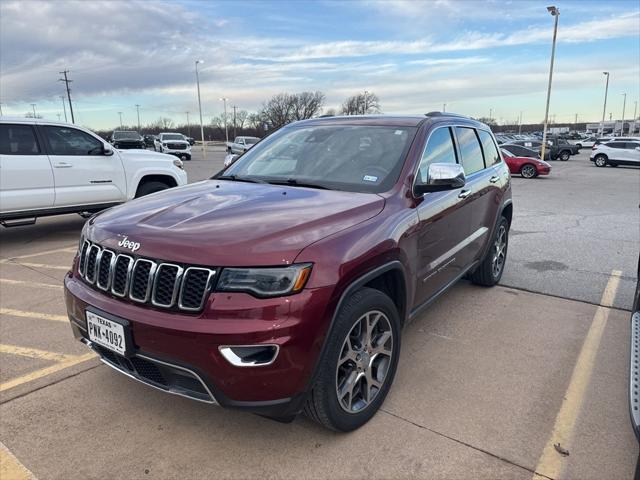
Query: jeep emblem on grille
x=126, y=243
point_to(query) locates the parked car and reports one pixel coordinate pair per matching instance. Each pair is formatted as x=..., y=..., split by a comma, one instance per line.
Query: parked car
x=51, y=168
x=191, y=140
x=528, y=167
x=241, y=144
x=283, y=283
x=584, y=142
x=173, y=144
x=616, y=152
x=122, y=139
x=149, y=140
x=521, y=151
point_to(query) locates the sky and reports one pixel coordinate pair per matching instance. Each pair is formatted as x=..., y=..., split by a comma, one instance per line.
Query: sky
x=475, y=56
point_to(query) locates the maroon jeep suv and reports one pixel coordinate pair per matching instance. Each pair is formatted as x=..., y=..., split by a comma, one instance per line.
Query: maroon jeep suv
x=282, y=284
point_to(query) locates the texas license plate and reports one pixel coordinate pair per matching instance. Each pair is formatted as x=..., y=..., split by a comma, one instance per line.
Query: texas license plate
x=106, y=333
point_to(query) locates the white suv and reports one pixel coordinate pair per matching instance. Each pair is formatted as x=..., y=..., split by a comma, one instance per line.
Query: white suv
x=173, y=144
x=616, y=152
x=49, y=168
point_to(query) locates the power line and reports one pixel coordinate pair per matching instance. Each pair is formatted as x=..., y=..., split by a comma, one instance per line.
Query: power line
x=67, y=82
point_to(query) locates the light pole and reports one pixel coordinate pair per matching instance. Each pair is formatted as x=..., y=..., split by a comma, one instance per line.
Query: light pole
x=604, y=108
x=33, y=105
x=624, y=104
x=226, y=131
x=444, y=107
x=556, y=13
x=235, y=130
x=138, y=110
x=520, y=123
x=64, y=107
x=188, y=126
x=490, y=113
x=635, y=111
x=120, y=114
x=204, y=154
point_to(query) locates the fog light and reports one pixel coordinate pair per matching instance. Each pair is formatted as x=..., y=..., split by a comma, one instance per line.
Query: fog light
x=250, y=355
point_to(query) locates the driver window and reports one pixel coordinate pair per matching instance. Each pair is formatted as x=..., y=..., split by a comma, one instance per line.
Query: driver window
x=69, y=141
x=439, y=149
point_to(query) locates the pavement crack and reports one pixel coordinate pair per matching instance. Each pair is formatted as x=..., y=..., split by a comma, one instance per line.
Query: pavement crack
x=460, y=442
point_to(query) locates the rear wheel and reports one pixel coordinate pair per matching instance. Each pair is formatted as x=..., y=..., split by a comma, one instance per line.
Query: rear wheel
x=565, y=155
x=490, y=270
x=359, y=364
x=147, y=188
x=600, y=160
x=528, y=171
x=579, y=145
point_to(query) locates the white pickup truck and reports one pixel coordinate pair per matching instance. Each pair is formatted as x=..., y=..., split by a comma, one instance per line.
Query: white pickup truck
x=241, y=144
x=49, y=168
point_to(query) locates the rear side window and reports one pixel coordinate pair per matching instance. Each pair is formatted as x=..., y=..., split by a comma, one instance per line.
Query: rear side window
x=615, y=145
x=632, y=145
x=439, y=149
x=69, y=141
x=470, y=150
x=18, y=140
x=491, y=156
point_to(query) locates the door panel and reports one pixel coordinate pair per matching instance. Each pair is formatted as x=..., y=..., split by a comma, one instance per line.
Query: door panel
x=26, y=177
x=82, y=174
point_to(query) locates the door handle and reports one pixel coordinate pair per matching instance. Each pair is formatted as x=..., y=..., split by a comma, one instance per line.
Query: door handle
x=464, y=194
x=494, y=179
x=62, y=165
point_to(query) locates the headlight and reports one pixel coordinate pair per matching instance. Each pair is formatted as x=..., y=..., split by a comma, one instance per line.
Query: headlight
x=178, y=163
x=164, y=144
x=265, y=282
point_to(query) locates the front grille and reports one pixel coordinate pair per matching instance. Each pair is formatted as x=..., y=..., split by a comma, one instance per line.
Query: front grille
x=177, y=146
x=145, y=280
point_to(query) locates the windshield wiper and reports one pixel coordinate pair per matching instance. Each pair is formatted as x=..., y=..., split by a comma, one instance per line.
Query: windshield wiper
x=297, y=183
x=235, y=178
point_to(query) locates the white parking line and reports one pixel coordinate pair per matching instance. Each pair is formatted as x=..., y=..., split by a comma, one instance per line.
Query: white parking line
x=38, y=265
x=30, y=284
x=46, y=252
x=41, y=316
x=34, y=353
x=11, y=468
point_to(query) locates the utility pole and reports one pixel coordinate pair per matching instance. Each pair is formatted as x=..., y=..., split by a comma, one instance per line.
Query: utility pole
x=520, y=123
x=188, y=126
x=67, y=82
x=120, y=113
x=1, y=109
x=444, y=107
x=204, y=151
x=624, y=104
x=64, y=107
x=235, y=132
x=575, y=121
x=138, y=110
x=604, y=108
x=556, y=13
x=33, y=105
x=490, y=113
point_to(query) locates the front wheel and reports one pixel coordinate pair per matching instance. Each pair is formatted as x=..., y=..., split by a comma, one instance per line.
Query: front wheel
x=564, y=156
x=489, y=272
x=359, y=363
x=600, y=161
x=150, y=187
x=528, y=171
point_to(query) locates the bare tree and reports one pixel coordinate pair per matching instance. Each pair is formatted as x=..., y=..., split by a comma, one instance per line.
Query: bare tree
x=163, y=123
x=241, y=118
x=32, y=115
x=361, y=104
x=286, y=108
x=255, y=121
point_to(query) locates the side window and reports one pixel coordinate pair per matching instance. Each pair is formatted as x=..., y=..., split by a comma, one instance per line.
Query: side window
x=491, y=156
x=470, y=150
x=439, y=149
x=18, y=140
x=615, y=145
x=69, y=141
x=632, y=145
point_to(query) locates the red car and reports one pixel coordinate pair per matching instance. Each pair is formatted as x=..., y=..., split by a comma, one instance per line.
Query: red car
x=282, y=284
x=528, y=167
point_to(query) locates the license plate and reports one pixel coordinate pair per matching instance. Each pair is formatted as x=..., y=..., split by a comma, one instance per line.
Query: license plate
x=106, y=333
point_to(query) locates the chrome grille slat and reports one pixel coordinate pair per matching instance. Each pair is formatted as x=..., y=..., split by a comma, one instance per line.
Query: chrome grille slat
x=144, y=280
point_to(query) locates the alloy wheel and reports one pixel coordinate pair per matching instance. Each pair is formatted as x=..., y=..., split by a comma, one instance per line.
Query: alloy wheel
x=499, y=252
x=364, y=361
x=600, y=161
x=528, y=171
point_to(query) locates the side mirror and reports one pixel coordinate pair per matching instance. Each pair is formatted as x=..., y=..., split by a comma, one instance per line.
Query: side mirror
x=229, y=159
x=441, y=177
x=107, y=151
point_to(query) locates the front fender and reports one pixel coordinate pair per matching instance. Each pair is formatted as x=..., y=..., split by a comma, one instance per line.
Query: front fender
x=134, y=177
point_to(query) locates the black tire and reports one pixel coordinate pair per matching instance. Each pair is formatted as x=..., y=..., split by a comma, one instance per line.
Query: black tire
x=600, y=160
x=485, y=274
x=147, y=188
x=528, y=170
x=613, y=164
x=565, y=155
x=322, y=404
x=579, y=145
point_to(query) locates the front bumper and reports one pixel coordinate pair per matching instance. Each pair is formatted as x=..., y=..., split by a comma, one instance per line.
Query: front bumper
x=177, y=153
x=189, y=342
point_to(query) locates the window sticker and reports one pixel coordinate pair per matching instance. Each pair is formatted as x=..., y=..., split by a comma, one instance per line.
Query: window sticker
x=370, y=178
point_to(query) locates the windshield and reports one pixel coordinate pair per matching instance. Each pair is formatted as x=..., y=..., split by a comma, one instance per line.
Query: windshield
x=172, y=136
x=251, y=140
x=128, y=135
x=344, y=157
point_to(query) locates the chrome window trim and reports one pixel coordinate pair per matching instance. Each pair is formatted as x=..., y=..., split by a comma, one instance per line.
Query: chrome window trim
x=147, y=292
x=112, y=263
x=92, y=280
x=176, y=285
x=128, y=275
x=205, y=294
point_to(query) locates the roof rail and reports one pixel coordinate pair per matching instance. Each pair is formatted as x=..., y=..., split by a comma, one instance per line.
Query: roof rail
x=445, y=114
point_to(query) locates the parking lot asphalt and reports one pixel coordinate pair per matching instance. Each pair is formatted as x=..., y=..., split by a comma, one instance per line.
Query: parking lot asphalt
x=488, y=381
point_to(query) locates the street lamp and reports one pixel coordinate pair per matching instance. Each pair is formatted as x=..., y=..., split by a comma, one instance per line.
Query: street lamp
x=604, y=108
x=138, y=110
x=624, y=104
x=226, y=131
x=556, y=13
x=120, y=113
x=520, y=123
x=204, y=152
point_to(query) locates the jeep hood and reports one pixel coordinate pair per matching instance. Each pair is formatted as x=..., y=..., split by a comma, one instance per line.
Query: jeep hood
x=225, y=223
